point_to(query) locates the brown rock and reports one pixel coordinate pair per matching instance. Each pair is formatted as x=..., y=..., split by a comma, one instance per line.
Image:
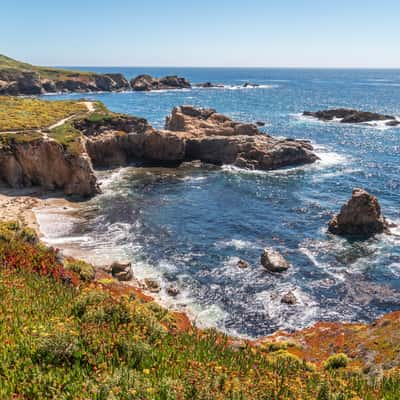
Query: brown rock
x=152, y=285
x=146, y=83
x=242, y=264
x=289, y=298
x=122, y=270
x=173, y=291
x=273, y=261
x=361, y=215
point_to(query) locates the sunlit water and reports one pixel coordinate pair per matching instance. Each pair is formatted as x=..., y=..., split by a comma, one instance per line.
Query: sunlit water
x=188, y=227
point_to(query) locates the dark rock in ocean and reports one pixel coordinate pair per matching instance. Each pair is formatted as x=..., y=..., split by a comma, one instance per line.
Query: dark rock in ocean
x=289, y=298
x=360, y=216
x=208, y=85
x=260, y=123
x=146, y=83
x=394, y=122
x=249, y=84
x=152, y=285
x=243, y=264
x=122, y=270
x=273, y=261
x=173, y=291
x=349, y=116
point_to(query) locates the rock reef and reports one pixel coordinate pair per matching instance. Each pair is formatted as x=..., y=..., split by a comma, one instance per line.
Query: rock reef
x=350, y=116
x=145, y=83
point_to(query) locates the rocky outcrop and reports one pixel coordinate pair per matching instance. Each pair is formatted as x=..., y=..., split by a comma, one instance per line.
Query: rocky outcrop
x=15, y=82
x=350, y=116
x=20, y=82
x=146, y=83
x=273, y=261
x=45, y=163
x=360, y=216
x=215, y=138
x=289, y=298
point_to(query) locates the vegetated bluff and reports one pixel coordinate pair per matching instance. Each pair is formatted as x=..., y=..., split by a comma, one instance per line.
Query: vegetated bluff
x=62, y=156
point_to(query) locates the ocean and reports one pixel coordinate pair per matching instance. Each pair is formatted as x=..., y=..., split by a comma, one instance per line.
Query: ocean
x=188, y=227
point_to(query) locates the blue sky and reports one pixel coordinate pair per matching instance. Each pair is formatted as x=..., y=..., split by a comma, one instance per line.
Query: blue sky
x=260, y=33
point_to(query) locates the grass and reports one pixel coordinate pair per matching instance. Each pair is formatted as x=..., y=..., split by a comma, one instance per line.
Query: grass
x=68, y=137
x=8, y=63
x=28, y=113
x=66, y=338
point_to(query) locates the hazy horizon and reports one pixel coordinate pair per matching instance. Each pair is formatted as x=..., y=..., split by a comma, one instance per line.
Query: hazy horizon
x=227, y=34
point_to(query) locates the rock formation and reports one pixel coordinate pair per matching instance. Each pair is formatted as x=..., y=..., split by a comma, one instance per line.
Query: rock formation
x=350, y=116
x=16, y=82
x=146, y=83
x=215, y=138
x=109, y=140
x=361, y=216
x=44, y=162
x=273, y=261
x=122, y=270
x=289, y=298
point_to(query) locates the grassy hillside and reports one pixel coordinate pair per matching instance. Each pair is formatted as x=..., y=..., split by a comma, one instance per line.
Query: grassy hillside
x=64, y=336
x=45, y=72
x=18, y=113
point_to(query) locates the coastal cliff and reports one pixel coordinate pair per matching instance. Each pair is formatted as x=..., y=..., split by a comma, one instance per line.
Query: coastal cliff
x=18, y=78
x=56, y=144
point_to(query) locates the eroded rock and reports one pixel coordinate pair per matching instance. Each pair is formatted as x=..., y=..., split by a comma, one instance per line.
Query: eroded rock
x=144, y=83
x=273, y=261
x=361, y=215
x=122, y=270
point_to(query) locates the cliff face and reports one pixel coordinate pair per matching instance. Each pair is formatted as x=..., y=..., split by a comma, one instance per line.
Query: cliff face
x=45, y=162
x=15, y=82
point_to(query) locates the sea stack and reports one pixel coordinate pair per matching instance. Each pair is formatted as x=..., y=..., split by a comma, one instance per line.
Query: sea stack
x=360, y=216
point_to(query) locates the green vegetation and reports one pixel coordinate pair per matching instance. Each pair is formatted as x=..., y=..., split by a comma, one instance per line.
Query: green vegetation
x=28, y=113
x=68, y=137
x=337, y=361
x=61, y=338
x=85, y=271
x=8, y=63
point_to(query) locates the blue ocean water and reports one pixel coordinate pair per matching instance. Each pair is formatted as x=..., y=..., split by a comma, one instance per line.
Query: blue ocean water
x=188, y=227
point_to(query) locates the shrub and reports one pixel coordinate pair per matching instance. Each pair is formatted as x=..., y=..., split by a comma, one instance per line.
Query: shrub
x=85, y=271
x=58, y=348
x=336, y=361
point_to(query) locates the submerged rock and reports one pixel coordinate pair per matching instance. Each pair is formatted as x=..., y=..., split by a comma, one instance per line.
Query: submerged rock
x=144, y=83
x=351, y=116
x=361, y=215
x=208, y=85
x=122, y=270
x=273, y=261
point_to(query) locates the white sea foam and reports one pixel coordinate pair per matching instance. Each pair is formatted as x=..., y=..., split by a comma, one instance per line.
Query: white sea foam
x=236, y=243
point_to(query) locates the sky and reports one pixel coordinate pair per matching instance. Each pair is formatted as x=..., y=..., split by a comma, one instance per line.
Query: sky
x=213, y=33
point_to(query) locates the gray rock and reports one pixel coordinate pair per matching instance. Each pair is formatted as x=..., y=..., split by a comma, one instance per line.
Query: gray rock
x=273, y=261
x=122, y=270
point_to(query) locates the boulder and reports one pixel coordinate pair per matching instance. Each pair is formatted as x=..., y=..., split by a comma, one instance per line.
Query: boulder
x=242, y=264
x=122, y=270
x=360, y=216
x=273, y=261
x=173, y=291
x=289, y=298
x=350, y=116
x=152, y=285
x=146, y=83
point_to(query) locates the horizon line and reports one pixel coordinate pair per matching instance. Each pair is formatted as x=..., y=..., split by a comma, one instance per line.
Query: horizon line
x=217, y=66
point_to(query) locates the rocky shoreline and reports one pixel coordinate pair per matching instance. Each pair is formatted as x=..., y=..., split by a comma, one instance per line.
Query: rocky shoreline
x=107, y=140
